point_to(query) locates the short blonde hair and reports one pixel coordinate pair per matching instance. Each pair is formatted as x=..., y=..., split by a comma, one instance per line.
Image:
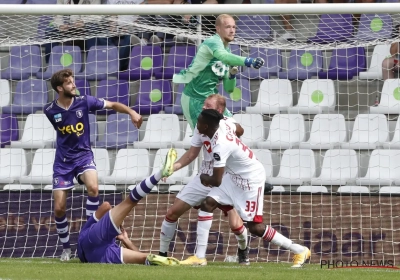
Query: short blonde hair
x=221, y=18
x=220, y=100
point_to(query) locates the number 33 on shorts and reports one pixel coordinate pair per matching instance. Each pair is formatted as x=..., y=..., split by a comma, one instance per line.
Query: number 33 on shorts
x=250, y=206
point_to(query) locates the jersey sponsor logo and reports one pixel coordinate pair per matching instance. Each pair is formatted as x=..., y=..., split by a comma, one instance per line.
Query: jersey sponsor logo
x=78, y=129
x=207, y=145
x=57, y=117
x=79, y=114
x=217, y=156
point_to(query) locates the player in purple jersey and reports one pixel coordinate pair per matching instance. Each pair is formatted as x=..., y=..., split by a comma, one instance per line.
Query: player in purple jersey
x=69, y=115
x=96, y=242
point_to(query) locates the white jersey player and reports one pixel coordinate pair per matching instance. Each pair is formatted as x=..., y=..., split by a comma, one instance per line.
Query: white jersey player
x=238, y=179
x=194, y=192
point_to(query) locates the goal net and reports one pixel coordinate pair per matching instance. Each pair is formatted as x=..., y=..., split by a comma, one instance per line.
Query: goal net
x=321, y=115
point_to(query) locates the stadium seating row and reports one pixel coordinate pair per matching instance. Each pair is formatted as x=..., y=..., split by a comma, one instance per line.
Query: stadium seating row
x=285, y=131
x=148, y=61
x=101, y=62
x=274, y=96
x=296, y=168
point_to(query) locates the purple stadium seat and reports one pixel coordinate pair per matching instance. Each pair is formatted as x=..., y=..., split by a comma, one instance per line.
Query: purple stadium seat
x=83, y=87
x=47, y=2
x=178, y=59
x=235, y=49
x=240, y=98
x=373, y=26
x=102, y=61
x=30, y=96
x=120, y=131
x=333, y=28
x=273, y=64
x=93, y=128
x=254, y=27
x=62, y=57
x=176, y=108
x=8, y=129
x=113, y=90
x=144, y=62
x=345, y=64
x=153, y=96
x=24, y=61
x=303, y=64
x=12, y=1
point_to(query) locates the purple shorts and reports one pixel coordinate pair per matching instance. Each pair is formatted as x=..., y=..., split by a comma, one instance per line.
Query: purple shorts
x=64, y=173
x=96, y=244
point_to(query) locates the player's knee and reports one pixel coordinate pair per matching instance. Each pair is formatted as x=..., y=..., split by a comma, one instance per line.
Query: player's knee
x=59, y=210
x=106, y=206
x=256, y=228
x=172, y=214
x=209, y=204
x=93, y=190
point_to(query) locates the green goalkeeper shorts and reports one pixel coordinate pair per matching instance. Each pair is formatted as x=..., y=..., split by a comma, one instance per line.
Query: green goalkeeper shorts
x=192, y=108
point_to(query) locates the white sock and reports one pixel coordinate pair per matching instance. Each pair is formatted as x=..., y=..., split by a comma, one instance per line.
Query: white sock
x=241, y=236
x=203, y=230
x=276, y=238
x=167, y=233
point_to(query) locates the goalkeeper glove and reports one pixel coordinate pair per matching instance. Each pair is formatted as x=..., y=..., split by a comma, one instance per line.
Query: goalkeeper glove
x=232, y=72
x=255, y=63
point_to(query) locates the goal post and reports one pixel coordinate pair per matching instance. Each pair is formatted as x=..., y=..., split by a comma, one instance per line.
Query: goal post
x=321, y=115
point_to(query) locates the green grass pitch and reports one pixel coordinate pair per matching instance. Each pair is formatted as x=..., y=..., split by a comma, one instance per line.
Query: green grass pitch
x=54, y=269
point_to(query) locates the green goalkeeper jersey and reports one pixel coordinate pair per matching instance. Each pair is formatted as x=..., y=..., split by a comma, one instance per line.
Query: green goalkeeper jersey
x=208, y=68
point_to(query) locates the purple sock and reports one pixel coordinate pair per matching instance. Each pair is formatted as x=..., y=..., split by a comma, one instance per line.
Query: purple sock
x=144, y=188
x=62, y=230
x=92, y=203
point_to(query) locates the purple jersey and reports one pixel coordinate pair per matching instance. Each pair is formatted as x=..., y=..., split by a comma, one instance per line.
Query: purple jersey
x=72, y=126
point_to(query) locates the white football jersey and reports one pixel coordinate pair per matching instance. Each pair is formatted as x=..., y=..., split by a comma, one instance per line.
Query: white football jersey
x=238, y=159
x=199, y=140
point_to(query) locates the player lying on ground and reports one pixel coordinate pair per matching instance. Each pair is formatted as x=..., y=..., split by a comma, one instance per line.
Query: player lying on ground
x=96, y=242
x=194, y=192
x=209, y=66
x=69, y=115
x=238, y=179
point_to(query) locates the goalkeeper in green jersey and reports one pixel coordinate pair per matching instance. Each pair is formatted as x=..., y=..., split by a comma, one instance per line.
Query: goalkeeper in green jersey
x=212, y=63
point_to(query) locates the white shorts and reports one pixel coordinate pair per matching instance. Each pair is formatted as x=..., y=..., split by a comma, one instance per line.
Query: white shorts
x=248, y=203
x=194, y=192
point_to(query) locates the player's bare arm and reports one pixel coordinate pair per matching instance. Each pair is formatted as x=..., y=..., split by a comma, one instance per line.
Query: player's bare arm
x=137, y=119
x=214, y=180
x=187, y=158
x=123, y=237
x=239, y=130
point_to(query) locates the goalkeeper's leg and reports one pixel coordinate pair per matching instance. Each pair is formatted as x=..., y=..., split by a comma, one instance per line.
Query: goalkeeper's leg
x=191, y=108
